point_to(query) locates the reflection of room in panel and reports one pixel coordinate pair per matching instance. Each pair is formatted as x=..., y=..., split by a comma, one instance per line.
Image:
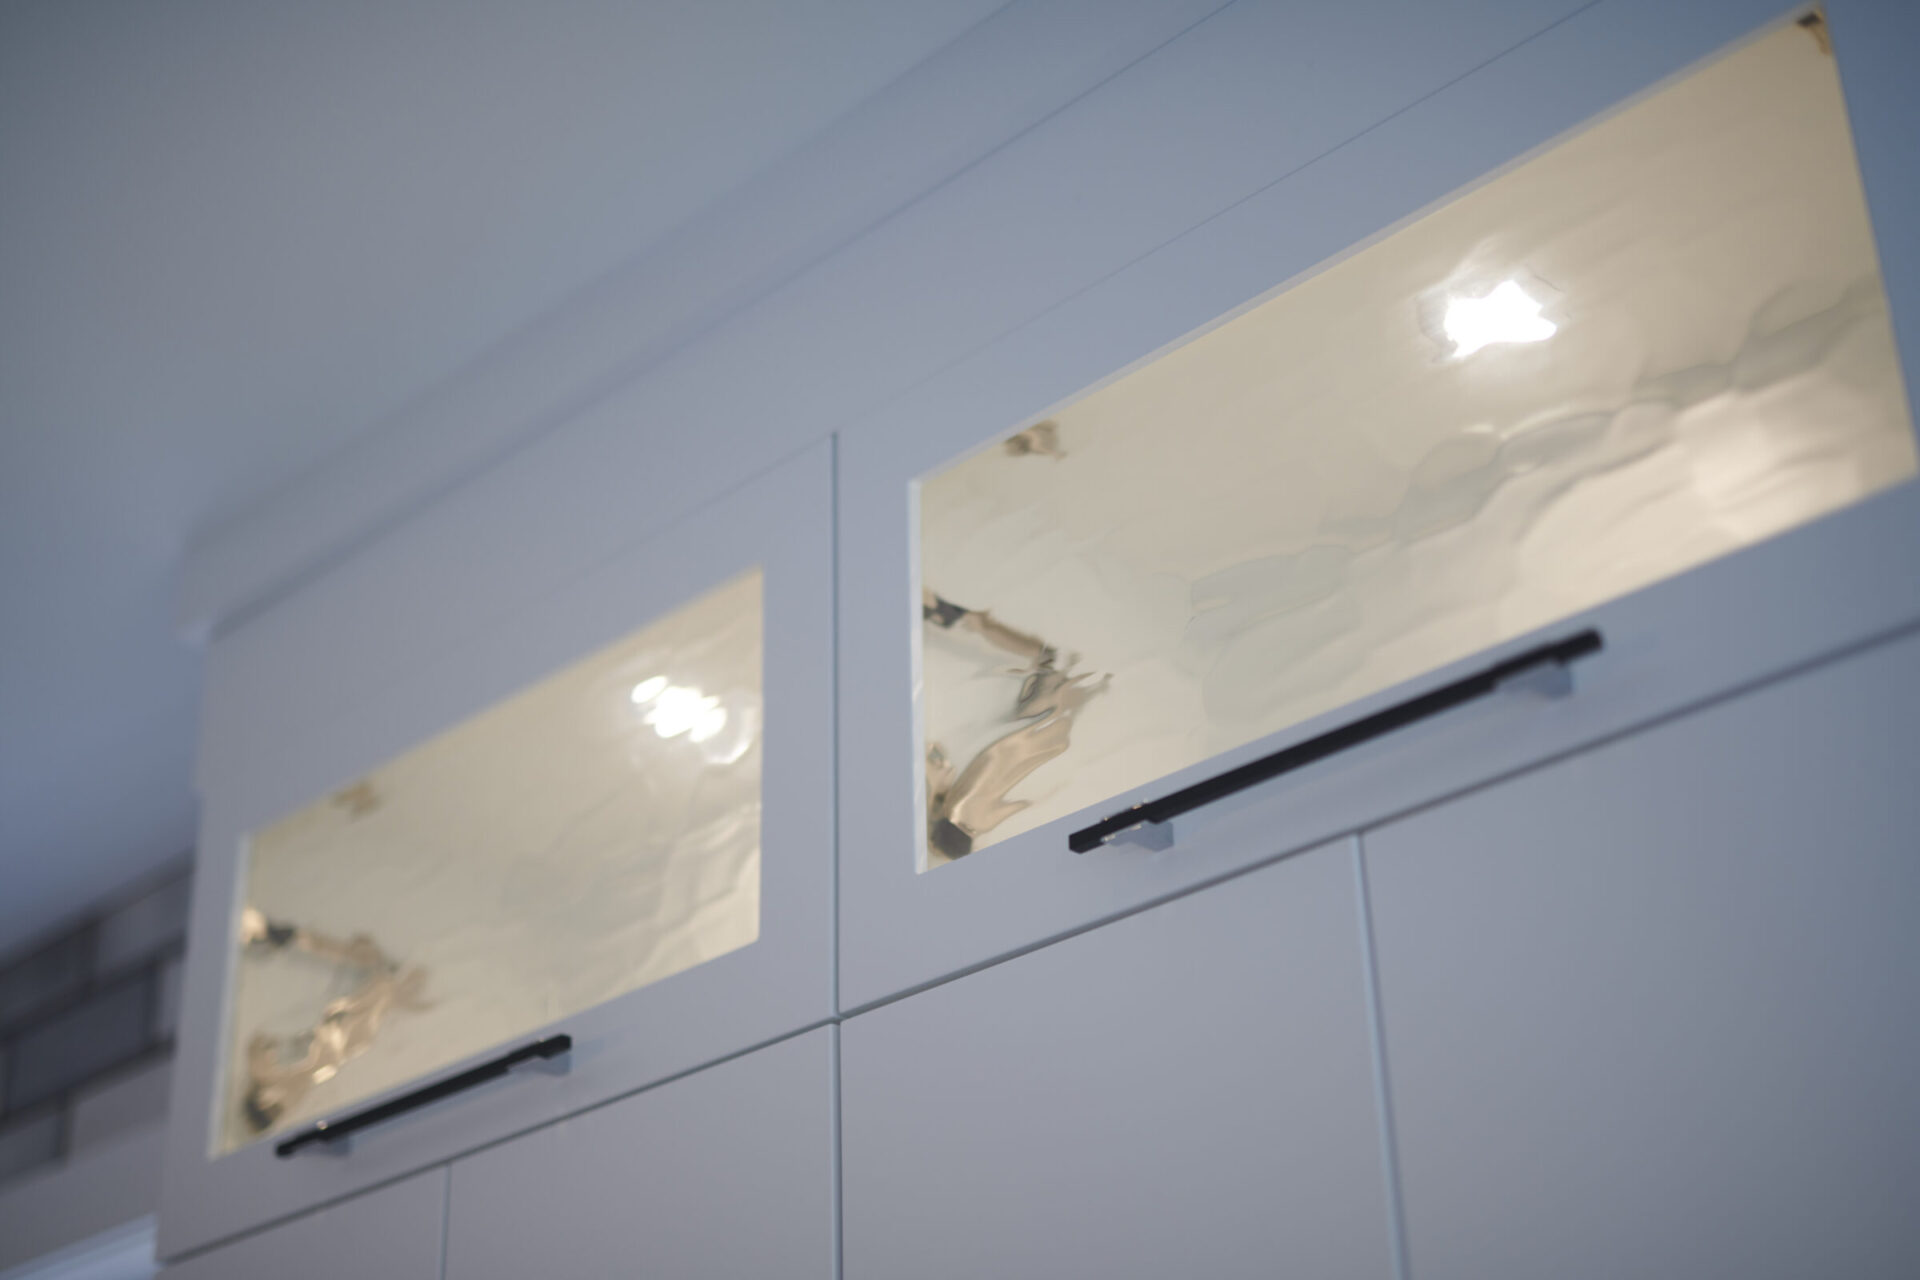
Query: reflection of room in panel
x=594, y=833
x=1652, y=344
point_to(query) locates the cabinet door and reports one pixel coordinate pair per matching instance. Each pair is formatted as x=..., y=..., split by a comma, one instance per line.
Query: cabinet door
x=394, y=1233
x=1491, y=433
x=1189, y=1091
x=1649, y=1011
x=727, y=1172
x=605, y=815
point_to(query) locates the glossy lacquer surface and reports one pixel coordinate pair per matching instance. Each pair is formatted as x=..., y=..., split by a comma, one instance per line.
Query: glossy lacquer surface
x=1654, y=343
x=592, y=834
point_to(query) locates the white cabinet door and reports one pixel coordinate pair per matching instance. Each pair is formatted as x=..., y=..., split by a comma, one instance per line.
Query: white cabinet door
x=726, y=1173
x=1186, y=1092
x=605, y=814
x=1650, y=1010
x=1078, y=576
x=394, y=1233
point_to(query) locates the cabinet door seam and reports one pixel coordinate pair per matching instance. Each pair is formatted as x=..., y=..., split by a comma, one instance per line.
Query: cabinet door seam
x=1383, y=1094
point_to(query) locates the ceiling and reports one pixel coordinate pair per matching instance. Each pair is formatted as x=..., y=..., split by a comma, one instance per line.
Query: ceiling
x=235, y=235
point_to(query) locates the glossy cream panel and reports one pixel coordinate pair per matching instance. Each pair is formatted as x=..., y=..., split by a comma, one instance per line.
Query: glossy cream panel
x=594, y=833
x=1656, y=342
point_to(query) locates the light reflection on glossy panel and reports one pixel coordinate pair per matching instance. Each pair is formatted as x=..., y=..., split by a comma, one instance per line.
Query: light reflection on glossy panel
x=596, y=832
x=1655, y=342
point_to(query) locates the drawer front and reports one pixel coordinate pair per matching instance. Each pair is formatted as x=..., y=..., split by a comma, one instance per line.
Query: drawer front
x=594, y=840
x=394, y=1233
x=727, y=1172
x=1101, y=572
x=1649, y=1011
x=1189, y=1091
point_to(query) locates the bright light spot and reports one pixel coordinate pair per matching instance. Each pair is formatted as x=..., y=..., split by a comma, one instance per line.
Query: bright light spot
x=647, y=690
x=678, y=709
x=710, y=722
x=1506, y=314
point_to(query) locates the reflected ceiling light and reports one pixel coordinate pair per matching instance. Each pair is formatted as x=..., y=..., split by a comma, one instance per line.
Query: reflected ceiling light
x=1507, y=314
x=710, y=722
x=647, y=690
x=678, y=709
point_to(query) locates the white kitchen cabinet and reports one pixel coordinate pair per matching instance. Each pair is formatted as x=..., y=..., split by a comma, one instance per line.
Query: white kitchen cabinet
x=1262, y=141
x=726, y=1172
x=595, y=805
x=1649, y=1010
x=1188, y=1091
x=1641, y=387
x=395, y=1233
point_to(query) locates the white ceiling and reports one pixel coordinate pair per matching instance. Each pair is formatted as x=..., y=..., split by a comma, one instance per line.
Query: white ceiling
x=236, y=234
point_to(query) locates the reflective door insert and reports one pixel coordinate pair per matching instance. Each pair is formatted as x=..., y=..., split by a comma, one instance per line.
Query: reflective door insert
x=1658, y=341
x=595, y=832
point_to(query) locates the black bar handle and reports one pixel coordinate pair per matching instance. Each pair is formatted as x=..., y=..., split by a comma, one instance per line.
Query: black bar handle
x=330, y=1131
x=1300, y=754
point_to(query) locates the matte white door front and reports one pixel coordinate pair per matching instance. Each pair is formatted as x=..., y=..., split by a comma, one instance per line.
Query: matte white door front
x=394, y=1233
x=727, y=1172
x=1186, y=1092
x=1650, y=1010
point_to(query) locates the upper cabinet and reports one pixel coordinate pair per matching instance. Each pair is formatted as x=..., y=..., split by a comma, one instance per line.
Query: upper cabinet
x=591, y=837
x=1660, y=341
x=1606, y=419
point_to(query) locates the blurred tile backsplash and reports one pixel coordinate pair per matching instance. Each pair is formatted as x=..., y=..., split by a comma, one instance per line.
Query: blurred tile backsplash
x=86, y=1028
